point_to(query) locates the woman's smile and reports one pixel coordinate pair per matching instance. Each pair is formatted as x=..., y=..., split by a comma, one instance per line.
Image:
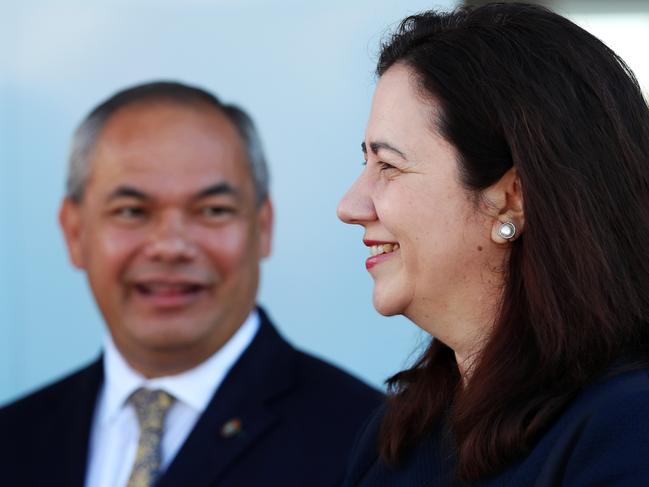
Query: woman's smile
x=379, y=252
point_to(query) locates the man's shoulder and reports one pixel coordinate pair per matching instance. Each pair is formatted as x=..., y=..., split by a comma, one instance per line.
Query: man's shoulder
x=322, y=377
x=340, y=402
x=313, y=376
x=37, y=405
x=309, y=386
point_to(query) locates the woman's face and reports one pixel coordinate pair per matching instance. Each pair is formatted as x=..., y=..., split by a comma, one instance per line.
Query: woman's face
x=432, y=243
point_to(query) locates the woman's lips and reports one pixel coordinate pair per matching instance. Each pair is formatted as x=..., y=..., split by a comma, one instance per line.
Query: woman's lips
x=380, y=251
x=376, y=259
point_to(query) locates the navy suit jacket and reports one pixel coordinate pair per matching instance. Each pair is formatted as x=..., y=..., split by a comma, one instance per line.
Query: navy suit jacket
x=600, y=440
x=298, y=419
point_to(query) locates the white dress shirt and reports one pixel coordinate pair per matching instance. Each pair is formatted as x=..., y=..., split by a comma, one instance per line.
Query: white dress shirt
x=115, y=430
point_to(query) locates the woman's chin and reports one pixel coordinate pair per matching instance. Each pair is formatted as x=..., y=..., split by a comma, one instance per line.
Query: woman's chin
x=388, y=305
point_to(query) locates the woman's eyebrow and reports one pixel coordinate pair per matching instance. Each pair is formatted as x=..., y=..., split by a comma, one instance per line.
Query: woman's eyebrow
x=379, y=145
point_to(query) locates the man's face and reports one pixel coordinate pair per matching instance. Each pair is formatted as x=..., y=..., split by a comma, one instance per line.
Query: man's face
x=169, y=233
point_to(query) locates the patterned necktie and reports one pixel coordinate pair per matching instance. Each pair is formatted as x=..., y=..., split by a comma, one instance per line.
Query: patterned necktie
x=151, y=408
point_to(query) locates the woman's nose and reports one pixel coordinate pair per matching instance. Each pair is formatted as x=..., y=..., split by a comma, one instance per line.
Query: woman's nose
x=357, y=207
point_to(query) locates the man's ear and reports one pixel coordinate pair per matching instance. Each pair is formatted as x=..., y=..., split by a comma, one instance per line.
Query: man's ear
x=505, y=199
x=265, y=222
x=70, y=221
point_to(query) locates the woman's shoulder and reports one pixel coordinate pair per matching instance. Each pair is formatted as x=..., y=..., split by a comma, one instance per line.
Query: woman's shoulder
x=365, y=450
x=603, y=436
x=620, y=397
x=430, y=462
x=611, y=425
x=621, y=380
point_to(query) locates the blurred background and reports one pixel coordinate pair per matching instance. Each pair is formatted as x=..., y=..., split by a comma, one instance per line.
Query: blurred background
x=303, y=70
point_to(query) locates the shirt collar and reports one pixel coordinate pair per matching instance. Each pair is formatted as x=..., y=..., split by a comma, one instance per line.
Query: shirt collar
x=194, y=387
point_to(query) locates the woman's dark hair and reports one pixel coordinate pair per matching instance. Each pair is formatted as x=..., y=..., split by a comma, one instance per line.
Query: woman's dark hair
x=521, y=86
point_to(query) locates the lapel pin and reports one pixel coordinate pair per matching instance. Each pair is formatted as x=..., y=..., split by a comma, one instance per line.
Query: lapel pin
x=231, y=428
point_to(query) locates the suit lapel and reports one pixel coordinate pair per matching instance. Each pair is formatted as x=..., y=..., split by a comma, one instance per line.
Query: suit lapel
x=72, y=426
x=238, y=415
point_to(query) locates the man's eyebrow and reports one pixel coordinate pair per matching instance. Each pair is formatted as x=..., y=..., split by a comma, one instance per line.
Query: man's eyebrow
x=217, y=190
x=213, y=190
x=377, y=146
x=127, y=192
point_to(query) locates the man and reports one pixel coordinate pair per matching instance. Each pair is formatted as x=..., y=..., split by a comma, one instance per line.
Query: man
x=167, y=212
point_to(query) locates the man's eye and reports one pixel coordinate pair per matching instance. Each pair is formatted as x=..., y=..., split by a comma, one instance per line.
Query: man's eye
x=129, y=212
x=216, y=211
x=384, y=166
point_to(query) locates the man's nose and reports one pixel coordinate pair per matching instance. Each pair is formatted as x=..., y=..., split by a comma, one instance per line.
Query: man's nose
x=357, y=207
x=170, y=241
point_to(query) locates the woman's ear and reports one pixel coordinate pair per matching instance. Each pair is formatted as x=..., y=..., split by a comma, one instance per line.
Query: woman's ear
x=506, y=201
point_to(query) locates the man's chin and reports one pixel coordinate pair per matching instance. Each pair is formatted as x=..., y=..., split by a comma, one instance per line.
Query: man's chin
x=156, y=353
x=163, y=333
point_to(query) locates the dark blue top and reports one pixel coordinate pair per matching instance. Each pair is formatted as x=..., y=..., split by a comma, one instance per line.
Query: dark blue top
x=600, y=439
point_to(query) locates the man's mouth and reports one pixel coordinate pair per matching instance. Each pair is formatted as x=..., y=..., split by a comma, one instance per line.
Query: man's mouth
x=166, y=289
x=167, y=295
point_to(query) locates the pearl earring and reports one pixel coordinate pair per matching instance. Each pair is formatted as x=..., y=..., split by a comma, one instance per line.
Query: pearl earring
x=507, y=230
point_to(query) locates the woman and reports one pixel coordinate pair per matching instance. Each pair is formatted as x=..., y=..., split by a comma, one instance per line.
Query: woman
x=505, y=199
